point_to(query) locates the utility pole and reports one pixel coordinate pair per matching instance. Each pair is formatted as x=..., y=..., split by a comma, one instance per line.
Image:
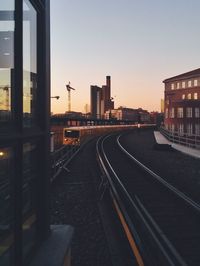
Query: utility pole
x=69, y=88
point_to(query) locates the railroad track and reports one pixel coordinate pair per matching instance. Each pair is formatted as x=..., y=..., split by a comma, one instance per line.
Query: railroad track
x=161, y=223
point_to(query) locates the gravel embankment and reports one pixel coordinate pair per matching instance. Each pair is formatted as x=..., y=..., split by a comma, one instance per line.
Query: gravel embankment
x=74, y=198
x=74, y=201
x=182, y=171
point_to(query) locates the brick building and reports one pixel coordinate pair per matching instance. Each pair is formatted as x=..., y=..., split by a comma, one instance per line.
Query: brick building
x=122, y=113
x=182, y=103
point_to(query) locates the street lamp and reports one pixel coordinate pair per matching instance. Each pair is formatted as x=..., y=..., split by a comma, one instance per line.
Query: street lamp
x=56, y=97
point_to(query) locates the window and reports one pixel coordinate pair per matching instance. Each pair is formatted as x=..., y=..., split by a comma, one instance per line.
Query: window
x=197, y=129
x=189, y=83
x=189, y=129
x=178, y=85
x=23, y=176
x=166, y=113
x=171, y=115
x=195, y=82
x=189, y=96
x=172, y=86
x=197, y=113
x=6, y=61
x=6, y=203
x=180, y=112
x=183, y=84
x=195, y=96
x=183, y=96
x=172, y=127
x=181, y=129
x=29, y=64
x=189, y=112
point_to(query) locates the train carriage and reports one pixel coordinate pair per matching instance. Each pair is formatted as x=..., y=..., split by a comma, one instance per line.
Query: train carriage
x=77, y=135
x=71, y=136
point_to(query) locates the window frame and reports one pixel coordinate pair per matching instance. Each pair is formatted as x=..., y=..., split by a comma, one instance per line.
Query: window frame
x=197, y=112
x=195, y=96
x=166, y=113
x=180, y=113
x=18, y=135
x=189, y=112
x=189, y=129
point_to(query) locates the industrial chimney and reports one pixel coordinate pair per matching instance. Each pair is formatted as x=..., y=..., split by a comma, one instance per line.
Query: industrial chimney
x=108, y=82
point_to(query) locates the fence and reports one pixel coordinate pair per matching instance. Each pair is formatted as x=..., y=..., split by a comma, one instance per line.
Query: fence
x=190, y=140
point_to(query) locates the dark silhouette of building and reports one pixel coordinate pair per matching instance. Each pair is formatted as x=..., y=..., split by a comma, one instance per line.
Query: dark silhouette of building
x=182, y=103
x=95, y=96
x=101, y=100
x=123, y=113
x=156, y=118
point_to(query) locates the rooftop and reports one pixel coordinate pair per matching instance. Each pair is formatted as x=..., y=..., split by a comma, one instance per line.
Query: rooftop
x=190, y=74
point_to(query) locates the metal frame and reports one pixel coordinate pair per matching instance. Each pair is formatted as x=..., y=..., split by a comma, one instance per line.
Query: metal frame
x=16, y=137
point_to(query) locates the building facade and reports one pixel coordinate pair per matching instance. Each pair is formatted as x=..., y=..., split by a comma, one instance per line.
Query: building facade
x=122, y=113
x=24, y=128
x=101, y=100
x=182, y=104
x=95, y=101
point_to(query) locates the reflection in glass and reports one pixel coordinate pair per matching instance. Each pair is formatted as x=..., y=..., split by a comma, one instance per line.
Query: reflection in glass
x=30, y=170
x=6, y=206
x=6, y=58
x=29, y=63
x=7, y=5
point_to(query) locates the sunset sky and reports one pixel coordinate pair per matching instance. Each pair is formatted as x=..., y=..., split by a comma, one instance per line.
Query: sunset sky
x=139, y=43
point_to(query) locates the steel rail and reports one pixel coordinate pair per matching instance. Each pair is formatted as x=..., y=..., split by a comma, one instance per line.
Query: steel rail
x=65, y=159
x=167, y=250
x=176, y=192
x=114, y=194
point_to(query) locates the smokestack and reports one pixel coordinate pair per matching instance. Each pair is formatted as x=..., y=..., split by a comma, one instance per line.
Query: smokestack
x=108, y=82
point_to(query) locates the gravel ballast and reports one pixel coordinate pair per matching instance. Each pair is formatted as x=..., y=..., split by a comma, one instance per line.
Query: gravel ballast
x=74, y=197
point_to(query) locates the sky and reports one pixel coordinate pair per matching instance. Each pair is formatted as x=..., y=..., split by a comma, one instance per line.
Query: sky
x=139, y=43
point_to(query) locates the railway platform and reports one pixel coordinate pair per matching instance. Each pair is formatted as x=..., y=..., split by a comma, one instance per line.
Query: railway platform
x=160, y=139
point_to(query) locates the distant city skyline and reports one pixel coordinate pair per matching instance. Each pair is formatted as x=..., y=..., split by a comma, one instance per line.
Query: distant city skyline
x=137, y=43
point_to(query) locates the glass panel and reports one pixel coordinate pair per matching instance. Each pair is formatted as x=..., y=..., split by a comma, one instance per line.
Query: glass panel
x=6, y=58
x=30, y=170
x=6, y=206
x=7, y=5
x=29, y=63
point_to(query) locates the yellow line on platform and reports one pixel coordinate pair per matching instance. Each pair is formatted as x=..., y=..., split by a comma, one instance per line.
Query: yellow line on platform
x=129, y=236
